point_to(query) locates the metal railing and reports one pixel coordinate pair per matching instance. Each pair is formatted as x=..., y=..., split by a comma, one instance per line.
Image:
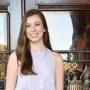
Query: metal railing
x=75, y=55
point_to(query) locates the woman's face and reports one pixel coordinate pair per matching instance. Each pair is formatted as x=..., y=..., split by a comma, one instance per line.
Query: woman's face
x=34, y=28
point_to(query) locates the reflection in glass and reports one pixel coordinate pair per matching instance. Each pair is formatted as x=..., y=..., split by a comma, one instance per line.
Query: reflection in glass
x=81, y=33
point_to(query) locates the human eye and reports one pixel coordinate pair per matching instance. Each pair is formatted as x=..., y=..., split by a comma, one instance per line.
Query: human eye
x=37, y=24
x=28, y=25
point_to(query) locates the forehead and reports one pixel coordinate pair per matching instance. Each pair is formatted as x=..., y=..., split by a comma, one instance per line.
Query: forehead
x=33, y=18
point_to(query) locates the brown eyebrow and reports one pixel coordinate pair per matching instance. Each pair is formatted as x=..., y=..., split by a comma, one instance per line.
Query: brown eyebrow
x=29, y=23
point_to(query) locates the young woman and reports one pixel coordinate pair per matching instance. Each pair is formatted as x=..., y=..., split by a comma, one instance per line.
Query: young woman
x=34, y=65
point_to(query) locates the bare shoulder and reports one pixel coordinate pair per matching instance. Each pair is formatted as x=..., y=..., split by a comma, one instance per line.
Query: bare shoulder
x=12, y=59
x=13, y=56
x=58, y=58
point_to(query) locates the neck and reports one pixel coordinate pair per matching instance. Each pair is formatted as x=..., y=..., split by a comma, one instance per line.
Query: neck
x=37, y=46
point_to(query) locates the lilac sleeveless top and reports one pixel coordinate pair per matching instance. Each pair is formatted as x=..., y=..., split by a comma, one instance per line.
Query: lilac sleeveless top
x=44, y=66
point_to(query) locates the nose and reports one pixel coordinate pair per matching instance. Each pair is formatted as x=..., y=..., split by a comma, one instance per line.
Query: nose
x=32, y=28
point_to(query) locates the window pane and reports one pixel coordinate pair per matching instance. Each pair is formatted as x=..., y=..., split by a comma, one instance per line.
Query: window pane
x=60, y=29
x=3, y=31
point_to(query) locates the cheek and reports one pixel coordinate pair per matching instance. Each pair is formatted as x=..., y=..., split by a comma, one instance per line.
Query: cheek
x=40, y=29
x=27, y=30
x=27, y=33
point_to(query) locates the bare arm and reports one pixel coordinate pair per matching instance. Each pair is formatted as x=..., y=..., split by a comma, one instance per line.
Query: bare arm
x=11, y=74
x=59, y=71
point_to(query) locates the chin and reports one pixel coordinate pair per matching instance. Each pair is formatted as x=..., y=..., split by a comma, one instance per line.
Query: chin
x=35, y=40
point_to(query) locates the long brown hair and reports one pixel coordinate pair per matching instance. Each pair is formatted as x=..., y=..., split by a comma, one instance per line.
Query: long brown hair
x=23, y=48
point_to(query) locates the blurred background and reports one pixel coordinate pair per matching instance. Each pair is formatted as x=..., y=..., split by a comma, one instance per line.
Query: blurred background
x=69, y=27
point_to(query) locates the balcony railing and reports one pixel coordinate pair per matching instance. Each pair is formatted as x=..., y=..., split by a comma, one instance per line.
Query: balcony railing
x=75, y=55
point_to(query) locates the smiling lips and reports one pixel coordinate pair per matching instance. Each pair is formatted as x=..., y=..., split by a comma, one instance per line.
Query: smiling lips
x=34, y=35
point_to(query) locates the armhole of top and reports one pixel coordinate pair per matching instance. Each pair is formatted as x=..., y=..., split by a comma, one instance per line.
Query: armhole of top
x=53, y=59
x=56, y=61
